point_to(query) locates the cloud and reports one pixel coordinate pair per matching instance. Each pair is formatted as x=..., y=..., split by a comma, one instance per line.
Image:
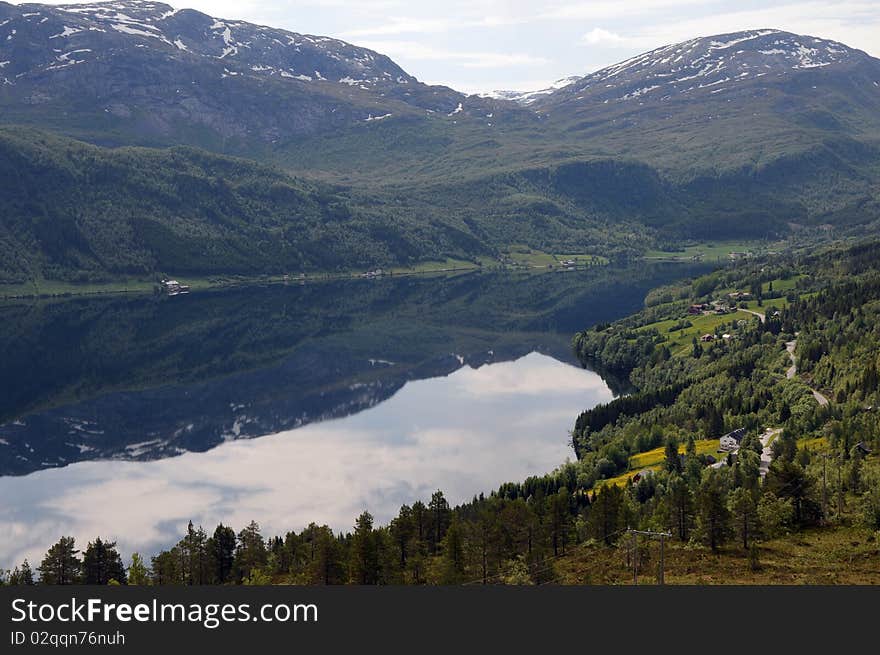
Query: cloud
x=598, y=36
x=606, y=10
x=856, y=24
x=400, y=26
x=416, y=51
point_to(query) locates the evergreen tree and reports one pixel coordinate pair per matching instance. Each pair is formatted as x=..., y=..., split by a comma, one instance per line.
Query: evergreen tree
x=682, y=506
x=326, y=565
x=441, y=515
x=453, y=558
x=745, y=514
x=696, y=349
x=102, y=563
x=560, y=521
x=61, y=566
x=672, y=461
x=22, y=575
x=221, y=550
x=250, y=553
x=786, y=479
x=165, y=568
x=713, y=517
x=605, y=513
x=402, y=531
x=364, y=563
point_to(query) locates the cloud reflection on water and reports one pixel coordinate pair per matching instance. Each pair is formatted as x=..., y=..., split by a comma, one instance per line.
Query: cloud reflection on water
x=465, y=433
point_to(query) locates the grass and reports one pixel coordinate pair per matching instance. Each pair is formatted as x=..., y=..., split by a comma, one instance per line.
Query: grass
x=520, y=255
x=839, y=554
x=680, y=341
x=708, y=251
x=653, y=460
x=814, y=444
x=439, y=266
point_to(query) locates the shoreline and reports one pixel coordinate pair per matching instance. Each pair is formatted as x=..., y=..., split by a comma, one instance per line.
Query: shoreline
x=144, y=287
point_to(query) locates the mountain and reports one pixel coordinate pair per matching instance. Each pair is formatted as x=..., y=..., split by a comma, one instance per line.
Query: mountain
x=754, y=134
x=763, y=130
x=707, y=66
x=155, y=74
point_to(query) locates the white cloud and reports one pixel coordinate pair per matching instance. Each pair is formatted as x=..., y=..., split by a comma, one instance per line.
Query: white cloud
x=604, y=10
x=419, y=51
x=598, y=36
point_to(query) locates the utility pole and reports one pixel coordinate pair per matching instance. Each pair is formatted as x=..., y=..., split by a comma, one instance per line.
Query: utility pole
x=635, y=557
x=662, y=549
x=635, y=552
x=824, y=487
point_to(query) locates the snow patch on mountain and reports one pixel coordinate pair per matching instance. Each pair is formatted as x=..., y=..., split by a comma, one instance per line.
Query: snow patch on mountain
x=529, y=97
x=703, y=63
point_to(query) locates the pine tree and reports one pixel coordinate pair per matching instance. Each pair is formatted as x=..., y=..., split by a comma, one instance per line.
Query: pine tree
x=682, y=506
x=61, y=566
x=441, y=515
x=560, y=520
x=453, y=559
x=364, y=564
x=605, y=513
x=221, y=551
x=745, y=514
x=251, y=553
x=713, y=517
x=102, y=563
x=22, y=575
x=672, y=461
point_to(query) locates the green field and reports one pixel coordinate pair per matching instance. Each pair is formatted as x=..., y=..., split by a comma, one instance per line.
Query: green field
x=680, y=341
x=707, y=251
x=653, y=460
x=519, y=255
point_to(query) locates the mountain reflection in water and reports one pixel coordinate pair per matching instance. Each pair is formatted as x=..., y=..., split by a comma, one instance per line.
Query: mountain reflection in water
x=126, y=417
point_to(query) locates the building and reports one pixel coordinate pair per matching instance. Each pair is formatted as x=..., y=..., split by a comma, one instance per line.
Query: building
x=698, y=308
x=862, y=448
x=644, y=473
x=174, y=288
x=707, y=337
x=732, y=440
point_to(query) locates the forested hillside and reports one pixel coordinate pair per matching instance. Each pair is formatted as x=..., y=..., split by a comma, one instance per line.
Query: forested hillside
x=78, y=212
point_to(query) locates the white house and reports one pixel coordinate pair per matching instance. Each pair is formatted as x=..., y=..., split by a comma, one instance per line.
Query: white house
x=732, y=440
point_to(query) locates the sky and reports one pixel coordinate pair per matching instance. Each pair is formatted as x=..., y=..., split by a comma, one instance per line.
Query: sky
x=482, y=45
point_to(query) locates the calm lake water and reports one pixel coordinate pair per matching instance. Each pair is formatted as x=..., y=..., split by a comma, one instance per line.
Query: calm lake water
x=127, y=417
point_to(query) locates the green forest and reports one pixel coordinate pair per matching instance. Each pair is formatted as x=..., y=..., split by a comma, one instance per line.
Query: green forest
x=791, y=357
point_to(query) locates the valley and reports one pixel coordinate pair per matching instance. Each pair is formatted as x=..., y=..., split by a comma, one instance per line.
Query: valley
x=428, y=336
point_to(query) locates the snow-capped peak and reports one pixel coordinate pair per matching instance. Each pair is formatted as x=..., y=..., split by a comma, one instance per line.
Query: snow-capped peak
x=705, y=65
x=245, y=49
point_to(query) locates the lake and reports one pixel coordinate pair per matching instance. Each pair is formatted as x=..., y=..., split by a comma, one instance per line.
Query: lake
x=126, y=417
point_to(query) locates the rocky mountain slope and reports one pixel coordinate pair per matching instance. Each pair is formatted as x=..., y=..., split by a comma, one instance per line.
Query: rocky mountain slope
x=153, y=73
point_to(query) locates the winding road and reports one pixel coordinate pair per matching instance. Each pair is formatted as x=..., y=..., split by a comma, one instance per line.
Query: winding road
x=792, y=371
x=770, y=433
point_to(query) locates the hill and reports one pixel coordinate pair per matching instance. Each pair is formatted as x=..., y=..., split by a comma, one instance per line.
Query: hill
x=78, y=212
